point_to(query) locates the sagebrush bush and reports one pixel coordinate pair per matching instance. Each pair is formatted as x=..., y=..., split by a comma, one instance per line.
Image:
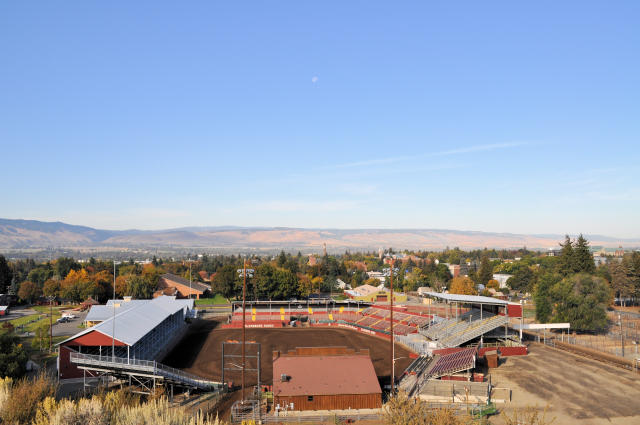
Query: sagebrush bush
x=25, y=399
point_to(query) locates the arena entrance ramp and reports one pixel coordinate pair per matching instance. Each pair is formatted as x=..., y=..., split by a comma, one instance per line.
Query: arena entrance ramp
x=142, y=370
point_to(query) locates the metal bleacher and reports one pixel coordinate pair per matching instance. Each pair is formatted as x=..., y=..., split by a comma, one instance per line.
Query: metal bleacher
x=449, y=364
x=146, y=369
x=456, y=331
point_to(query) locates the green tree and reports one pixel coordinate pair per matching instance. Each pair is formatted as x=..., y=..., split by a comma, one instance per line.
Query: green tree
x=582, y=300
x=621, y=280
x=522, y=280
x=282, y=259
x=542, y=296
x=226, y=281
x=566, y=264
x=583, y=259
x=13, y=357
x=40, y=274
x=5, y=275
x=139, y=288
x=64, y=265
x=485, y=273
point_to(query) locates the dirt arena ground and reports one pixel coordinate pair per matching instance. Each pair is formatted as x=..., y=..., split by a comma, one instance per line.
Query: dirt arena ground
x=201, y=350
x=577, y=390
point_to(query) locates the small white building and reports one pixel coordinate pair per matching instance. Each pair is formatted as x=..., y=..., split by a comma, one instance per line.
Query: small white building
x=376, y=275
x=502, y=279
x=342, y=285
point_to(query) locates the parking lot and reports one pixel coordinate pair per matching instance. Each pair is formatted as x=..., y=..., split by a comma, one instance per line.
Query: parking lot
x=70, y=328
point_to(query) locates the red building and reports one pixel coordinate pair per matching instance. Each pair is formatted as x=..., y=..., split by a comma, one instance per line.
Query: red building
x=185, y=289
x=325, y=378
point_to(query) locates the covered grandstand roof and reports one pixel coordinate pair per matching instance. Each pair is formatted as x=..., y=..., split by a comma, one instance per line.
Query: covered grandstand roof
x=468, y=299
x=134, y=322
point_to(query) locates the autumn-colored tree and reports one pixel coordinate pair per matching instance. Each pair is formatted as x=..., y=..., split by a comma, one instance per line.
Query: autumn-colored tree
x=78, y=286
x=121, y=286
x=493, y=284
x=372, y=281
x=304, y=284
x=462, y=285
x=28, y=291
x=316, y=283
x=51, y=288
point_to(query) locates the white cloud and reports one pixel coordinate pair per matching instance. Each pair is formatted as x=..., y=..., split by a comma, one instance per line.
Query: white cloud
x=458, y=151
x=314, y=79
x=305, y=206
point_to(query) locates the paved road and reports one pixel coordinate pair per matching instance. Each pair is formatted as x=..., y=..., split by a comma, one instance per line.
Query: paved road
x=17, y=312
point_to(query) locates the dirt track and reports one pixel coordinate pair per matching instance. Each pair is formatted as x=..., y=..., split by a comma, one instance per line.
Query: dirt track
x=201, y=350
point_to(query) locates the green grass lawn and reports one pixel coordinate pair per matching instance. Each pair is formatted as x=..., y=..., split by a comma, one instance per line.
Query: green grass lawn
x=31, y=322
x=218, y=299
x=529, y=311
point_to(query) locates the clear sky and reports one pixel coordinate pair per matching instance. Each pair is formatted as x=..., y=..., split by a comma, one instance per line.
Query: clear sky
x=495, y=116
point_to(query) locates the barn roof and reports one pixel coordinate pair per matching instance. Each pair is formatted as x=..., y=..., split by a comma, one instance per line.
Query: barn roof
x=324, y=375
x=133, y=323
x=195, y=285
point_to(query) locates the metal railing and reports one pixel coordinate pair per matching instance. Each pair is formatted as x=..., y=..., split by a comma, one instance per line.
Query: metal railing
x=146, y=366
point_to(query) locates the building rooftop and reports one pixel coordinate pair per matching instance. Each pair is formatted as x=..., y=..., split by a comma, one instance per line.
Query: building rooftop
x=198, y=286
x=324, y=375
x=136, y=319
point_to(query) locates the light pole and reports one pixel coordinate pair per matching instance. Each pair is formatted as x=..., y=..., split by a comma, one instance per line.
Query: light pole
x=393, y=377
x=51, y=298
x=113, y=322
x=189, y=277
x=244, y=297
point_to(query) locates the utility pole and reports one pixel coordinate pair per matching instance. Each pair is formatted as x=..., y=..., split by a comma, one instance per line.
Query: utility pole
x=244, y=294
x=51, y=322
x=393, y=363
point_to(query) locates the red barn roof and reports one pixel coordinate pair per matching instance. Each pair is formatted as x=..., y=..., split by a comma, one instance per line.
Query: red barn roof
x=324, y=375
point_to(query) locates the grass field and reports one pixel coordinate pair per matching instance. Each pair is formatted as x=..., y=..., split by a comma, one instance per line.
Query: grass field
x=218, y=299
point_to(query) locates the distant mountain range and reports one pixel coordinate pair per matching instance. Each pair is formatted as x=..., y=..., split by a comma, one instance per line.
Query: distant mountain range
x=32, y=234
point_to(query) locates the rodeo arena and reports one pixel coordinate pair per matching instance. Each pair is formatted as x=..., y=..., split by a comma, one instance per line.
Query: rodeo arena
x=303, y=360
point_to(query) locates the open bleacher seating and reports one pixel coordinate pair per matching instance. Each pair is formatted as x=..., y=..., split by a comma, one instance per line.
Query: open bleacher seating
x=448, y=364
x=456, y=331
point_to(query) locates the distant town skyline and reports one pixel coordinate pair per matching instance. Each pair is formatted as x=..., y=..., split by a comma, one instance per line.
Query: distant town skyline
x=500, y=117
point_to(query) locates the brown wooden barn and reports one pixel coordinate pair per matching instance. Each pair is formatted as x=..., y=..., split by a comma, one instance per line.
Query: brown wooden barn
x=325, y=378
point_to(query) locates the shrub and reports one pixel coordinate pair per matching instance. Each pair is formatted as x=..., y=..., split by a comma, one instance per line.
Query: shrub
x=25, y=399
x=13, y=357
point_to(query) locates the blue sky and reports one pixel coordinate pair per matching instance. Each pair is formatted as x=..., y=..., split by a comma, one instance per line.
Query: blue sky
x=494, y=116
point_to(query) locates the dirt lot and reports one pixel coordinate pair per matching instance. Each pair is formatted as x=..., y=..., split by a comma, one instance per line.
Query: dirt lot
x=576, y=389
x=201, y=350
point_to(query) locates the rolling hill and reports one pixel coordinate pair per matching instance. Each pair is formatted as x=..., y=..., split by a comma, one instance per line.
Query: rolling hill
x=30, y=234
